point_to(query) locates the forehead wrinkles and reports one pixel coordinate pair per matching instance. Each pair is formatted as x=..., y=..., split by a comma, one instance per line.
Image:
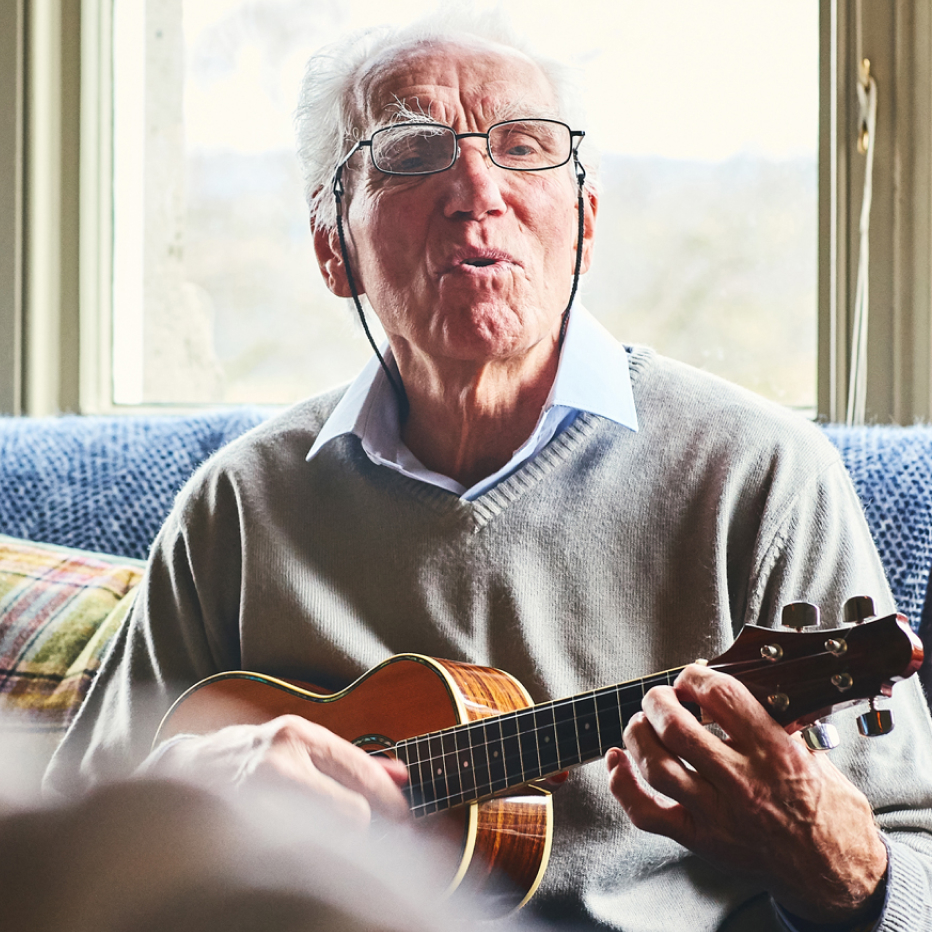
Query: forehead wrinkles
x=490, y=108
x=469, y=83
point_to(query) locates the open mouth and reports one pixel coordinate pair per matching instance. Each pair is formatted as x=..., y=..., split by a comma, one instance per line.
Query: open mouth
x=481, y=259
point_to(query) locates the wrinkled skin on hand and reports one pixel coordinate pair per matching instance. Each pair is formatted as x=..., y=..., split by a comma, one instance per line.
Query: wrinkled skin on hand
x=353, y=783
x=756, y=803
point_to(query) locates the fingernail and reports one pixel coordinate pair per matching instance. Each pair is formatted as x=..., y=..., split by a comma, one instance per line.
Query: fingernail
x=612, y=758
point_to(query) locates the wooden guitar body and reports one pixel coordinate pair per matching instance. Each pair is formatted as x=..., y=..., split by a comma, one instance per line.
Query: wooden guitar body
x=504, y=841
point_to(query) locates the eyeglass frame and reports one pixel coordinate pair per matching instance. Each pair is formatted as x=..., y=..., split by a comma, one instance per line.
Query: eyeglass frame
x=573, y=153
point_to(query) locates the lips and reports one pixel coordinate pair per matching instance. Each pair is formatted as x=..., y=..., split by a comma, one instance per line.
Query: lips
x=468, y=259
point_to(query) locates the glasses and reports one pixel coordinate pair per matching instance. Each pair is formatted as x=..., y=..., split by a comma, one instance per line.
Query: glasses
x=428, y=148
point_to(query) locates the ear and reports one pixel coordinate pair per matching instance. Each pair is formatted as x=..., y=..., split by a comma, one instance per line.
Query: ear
x=330, y=260
x=590, y=209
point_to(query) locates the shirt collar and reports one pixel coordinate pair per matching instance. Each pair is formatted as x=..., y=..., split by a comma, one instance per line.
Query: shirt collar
x=593, y=372
x=592, y=376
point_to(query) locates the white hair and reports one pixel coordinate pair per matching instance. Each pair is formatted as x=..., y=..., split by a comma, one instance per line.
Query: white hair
x=332, y=113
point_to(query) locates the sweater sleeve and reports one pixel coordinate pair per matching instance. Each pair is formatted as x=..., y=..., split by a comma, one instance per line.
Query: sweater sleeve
x=181, y=629
x=821, y=550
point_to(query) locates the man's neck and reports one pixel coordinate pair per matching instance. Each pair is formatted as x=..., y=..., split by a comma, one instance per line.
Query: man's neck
x=467, y=420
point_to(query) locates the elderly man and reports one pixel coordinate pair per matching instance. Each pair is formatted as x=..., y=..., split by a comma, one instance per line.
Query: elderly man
x=509, y=486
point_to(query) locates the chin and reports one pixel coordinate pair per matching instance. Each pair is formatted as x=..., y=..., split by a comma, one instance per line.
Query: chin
x=493, y=330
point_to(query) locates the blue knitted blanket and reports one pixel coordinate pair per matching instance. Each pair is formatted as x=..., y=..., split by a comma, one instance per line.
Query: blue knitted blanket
x=104, y=483
x=892, y=472
x=107, y=483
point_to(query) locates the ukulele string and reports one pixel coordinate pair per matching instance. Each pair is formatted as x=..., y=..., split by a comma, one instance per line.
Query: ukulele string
x=417, y=782
x=456, y=798
x=518, y=716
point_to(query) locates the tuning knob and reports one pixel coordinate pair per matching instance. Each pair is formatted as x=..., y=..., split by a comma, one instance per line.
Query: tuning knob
x=800, y=615
x=876, y=722
x=858, y=608
x=821, y=736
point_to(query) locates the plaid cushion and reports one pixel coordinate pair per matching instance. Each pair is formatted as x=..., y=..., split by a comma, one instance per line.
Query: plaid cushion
x=59, y=608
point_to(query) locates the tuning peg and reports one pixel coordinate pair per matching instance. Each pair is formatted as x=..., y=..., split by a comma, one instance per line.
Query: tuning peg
x=876, y=722
x=821, y=736
x=858, y=608
x=800, y=615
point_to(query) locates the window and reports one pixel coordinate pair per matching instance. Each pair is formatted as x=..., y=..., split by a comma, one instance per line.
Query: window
x=57, y=282
x=707, y=230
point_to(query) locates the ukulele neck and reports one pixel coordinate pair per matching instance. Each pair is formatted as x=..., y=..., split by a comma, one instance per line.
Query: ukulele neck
x=492, y=755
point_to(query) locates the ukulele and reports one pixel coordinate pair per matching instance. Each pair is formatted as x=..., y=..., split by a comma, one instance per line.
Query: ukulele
x=474, y=743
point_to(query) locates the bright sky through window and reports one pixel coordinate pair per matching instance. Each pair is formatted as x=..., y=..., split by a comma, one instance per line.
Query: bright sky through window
x=706, y=115
x=673, y=93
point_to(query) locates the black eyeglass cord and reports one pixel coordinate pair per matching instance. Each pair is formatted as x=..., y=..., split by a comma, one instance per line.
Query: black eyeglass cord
x=580, y=211
x=397, y=385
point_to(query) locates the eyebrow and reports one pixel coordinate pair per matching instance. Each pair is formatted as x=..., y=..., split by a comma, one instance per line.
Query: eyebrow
x=404, y=112
x=514, y=109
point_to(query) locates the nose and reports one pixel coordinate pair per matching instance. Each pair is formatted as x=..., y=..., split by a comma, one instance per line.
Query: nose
x=473, y=184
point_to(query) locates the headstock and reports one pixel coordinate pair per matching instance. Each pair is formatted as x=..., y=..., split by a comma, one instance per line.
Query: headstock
x=800, y=675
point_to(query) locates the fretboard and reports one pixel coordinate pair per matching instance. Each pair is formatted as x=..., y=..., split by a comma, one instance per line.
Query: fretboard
x=491, y=755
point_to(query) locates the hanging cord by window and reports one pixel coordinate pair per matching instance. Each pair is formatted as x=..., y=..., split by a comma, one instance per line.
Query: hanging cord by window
x=397, y=385
x=857, y=372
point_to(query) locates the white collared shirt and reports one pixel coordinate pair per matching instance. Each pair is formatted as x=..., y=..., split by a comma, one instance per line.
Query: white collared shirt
x=592, y=376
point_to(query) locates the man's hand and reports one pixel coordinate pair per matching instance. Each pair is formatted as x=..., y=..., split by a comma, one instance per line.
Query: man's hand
x=354, y=783
x=757, y=802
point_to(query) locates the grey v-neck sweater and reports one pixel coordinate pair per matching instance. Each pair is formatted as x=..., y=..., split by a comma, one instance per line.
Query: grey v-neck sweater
x=610, y=555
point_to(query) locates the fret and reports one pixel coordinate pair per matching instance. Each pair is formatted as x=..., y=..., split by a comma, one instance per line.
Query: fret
x=412, y=788
x=608, y=712
x=431, y=788
x=565, y=717
x=495, y=754
x=407, y=753
x=464, y=763
x=480, y=756
x=514, y=765
x=629, y=702
x=546, y=735
x=631, y=697
x=598, y=728
x=438, y=774
x=489, y=764
x=527, y=741
x=450, y=760
x=587, y=728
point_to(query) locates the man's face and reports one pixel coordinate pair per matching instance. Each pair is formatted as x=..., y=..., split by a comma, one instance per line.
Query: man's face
x=474, y=263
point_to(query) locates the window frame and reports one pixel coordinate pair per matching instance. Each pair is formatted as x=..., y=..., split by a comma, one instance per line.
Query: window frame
x=56, y=231
x=12, y=120
x=897, y=39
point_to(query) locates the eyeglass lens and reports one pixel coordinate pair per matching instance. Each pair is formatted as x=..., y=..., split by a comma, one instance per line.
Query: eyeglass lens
x=521, y=145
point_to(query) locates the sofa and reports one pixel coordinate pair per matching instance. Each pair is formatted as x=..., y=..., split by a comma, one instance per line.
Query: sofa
x=82, y=498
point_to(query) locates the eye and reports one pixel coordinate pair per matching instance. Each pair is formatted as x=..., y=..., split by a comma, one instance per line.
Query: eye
x=402, y=151
x=413, y=150
x=527, y=144
x=523, y=148
x=518, y=143
x=409, y=163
